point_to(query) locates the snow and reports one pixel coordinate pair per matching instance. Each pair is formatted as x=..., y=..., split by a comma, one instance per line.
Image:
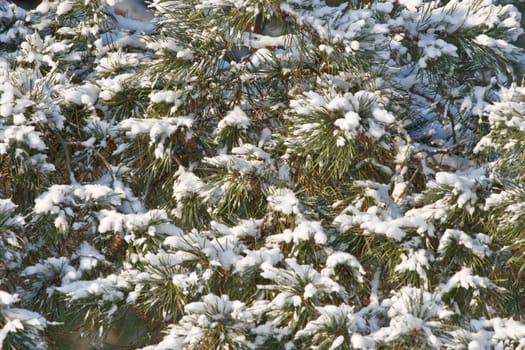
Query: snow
x=103, y=288
x=10, y=326
x=236, y=118
x=244, y=229
x=435, y=48
x=6, y=205
x=156, y=128
x=417, y=261
x=341, y=315
x=466, y=279
x=244, y=160
x=411, y=309
x=258, y=41
x=287, y=90
x=133, y=9
x=383, y=116
x=337, y=343
x=348, y=109
x=254, y=259
x=412, y=5
x=23, y=135
x=349, y=123
x=297, y=282
x=250, y=150
x=509, y=111
x=464, y=184
x=8, y=299
x=89, y=257
x=205, y=315
x=82, y=95
x=28, y=318
x=230, y=162
x=249, y=228
x=59, y=199
x=372, y=223
x=64, y=7
x=478, y=244
x=283, y=200
x=159, y=130
x=17, y=320
x=385, y=7
x=226, y=254
x=496, y=333
x=114, y=60
x=112, y=85
x=343, y=258
x=113, y=221
x=137, y=24
x=52, y=269
x=170, y=97
x=309, y=291
x=305, y=230
x=362, y=342
x=187, y=184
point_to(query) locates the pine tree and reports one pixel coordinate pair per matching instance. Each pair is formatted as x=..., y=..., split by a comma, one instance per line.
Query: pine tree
x=324, y=174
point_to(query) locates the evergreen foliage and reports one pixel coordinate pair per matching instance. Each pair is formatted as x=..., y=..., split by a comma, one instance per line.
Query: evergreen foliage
x=258, y=174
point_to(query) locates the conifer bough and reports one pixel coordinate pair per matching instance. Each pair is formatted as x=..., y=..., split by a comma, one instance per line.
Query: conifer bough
x=258, y=174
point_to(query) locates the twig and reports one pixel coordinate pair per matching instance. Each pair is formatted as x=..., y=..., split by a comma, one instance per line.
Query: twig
x=63, y=143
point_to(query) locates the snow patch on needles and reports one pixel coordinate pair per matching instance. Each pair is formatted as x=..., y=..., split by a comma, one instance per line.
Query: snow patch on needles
x=60, y=200
x=90, y=257
x=372, y=222
x=479, y=244
x=54, y=269
x=297, y=283
x=236, y=118
x=22, y=135
x=170, y=97
x=283, y=200
x=343, y=259
x=464, y=184
x=17, y=320
x=102, y=287
x=304, y=231
x=254, y=259
x=339, y=317
x=347, y=109
x=417, y=261
x=113, y=221
x=496, y=333
x=86, y=94
x=466, y=279
x=245, y=159
x=414, y=310
x=204, y=317
x=158, y=130
x=509, y=111
x=187, y=184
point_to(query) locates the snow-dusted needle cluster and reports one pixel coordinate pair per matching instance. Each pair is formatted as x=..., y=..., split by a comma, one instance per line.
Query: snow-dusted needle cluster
x=262, y=174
